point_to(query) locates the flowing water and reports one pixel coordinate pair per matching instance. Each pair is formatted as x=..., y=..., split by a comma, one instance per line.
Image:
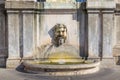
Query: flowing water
x=64, y=54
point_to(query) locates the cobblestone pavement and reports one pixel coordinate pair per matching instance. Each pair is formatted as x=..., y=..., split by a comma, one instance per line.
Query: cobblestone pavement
x=108, y=71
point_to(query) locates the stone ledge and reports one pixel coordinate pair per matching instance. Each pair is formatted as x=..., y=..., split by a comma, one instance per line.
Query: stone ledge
x=60, y=67
x=67, y=73
x=21, y=5
x=61, y=70
x=40, y=5
x=56, y=5
x=13, y=63
x=99, y=4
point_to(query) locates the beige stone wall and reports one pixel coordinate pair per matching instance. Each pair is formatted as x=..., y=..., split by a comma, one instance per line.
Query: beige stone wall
x=48, y=21
x=37, y=25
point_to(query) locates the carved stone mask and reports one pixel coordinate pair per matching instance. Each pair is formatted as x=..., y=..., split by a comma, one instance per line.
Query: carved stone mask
x=60, y=34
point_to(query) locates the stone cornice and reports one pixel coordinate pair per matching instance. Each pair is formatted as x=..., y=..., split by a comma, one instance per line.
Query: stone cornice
x=30, y=5
x=100, y=4
x=97, y=6
x=94, y=11
x=21, y=5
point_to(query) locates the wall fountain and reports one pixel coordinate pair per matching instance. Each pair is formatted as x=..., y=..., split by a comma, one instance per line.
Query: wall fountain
x=53, y=36
x=61, y=58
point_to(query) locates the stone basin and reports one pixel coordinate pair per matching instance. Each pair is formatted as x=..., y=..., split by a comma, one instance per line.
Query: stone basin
x=62, y=69
x=62, y=60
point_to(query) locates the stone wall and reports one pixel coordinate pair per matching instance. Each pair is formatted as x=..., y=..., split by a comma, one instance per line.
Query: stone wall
x=116, y=48
x=31, y=26
x=94, y=30
x=101, y=27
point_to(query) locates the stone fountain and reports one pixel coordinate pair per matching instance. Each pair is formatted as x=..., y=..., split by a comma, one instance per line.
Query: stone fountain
x=29, y=33
x=60, y=58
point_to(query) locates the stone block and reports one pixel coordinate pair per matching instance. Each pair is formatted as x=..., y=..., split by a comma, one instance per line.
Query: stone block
x=57, y=5
x=116, y=51
x=13, y=63
x=117, y=60
x=22, y=5
x=40, y=5
x=95, y=4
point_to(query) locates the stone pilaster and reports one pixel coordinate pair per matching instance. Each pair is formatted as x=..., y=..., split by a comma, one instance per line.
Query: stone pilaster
x=28, y=33
x=100, y=24
x=116, y=48
x=108, y=33
x=13, y=37
x=20, y=30
x=13, y=34
x=93, y=37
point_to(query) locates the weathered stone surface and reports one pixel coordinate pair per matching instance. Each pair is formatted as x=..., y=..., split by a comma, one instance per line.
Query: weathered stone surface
x=39, y=5
x=13, y=35
x=28, y=34
x=117, y=23
x=21, y=5
x=13, y=63
x=37, y=25
x=116, y=48
x=93, y=34
x=57, y=5
x=48, y=21
x=98, y=4
x=62, y=70
x=108, y=27
x=117, y=60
